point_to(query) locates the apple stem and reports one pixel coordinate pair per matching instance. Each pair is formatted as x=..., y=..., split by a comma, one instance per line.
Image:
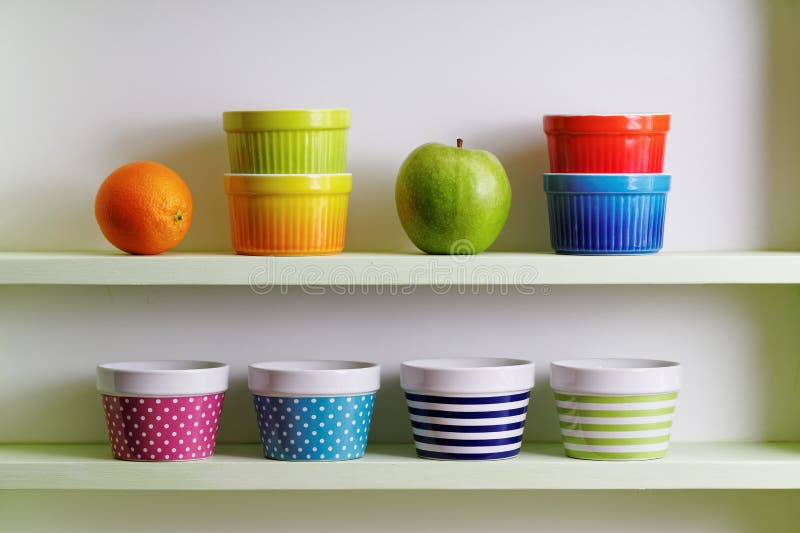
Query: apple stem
x=460, y=143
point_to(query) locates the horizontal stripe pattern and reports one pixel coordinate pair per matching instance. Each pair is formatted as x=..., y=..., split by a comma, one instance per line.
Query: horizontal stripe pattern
x=428, y=454
x=468, y=400
x=467, y=408
x=468, y=427
x=588, y=419
x=616, y=413
x=446, y=420
x=585, y=406
x=467, y=415
x=475, y=434
x=616, y=427
x=613, y=434
x=638, y=399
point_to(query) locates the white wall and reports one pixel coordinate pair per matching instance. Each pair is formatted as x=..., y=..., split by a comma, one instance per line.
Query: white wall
x=738, y=346
x=90, y=85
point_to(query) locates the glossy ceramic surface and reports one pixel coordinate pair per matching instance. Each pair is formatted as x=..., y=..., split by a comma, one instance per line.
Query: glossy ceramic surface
x=162, y=378
x=467, y=375
x=604, y=375
x=313, y=378
x=163, y=429
x=606, y=215
x=287, y=141
x=614, y=408
x=467, y=408
x=468, y=427
x=289, y=214
x=314, y=428
x=606, y=143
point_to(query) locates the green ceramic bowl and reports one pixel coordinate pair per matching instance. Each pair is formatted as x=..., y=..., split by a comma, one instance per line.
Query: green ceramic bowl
x=292, y=141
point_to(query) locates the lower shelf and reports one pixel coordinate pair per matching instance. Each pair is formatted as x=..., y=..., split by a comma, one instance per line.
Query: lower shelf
x=395, y=467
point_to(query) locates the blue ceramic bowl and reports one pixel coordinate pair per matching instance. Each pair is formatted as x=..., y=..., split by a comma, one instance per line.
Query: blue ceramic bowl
x=315, y=410
x=606, y=214
x=319, y=428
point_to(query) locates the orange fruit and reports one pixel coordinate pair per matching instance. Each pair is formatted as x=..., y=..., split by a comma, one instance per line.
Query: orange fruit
x=143, y=208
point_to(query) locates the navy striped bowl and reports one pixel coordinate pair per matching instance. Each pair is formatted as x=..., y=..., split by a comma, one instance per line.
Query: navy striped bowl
x=451, y=426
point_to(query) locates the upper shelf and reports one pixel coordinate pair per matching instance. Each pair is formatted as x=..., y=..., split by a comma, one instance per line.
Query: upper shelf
x=398, y=269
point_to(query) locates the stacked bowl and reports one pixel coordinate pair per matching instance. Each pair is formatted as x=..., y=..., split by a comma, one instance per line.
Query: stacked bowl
x=288, y=187
x=606, y=193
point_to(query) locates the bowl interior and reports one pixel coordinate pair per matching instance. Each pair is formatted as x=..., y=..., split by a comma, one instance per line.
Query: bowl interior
x=465, y=363
x=311, y=365
x=161, y=366
x=615, y=364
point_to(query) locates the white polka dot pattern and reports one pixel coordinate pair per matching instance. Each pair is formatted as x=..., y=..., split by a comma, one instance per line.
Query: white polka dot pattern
x=163, y=429
x=322, y=428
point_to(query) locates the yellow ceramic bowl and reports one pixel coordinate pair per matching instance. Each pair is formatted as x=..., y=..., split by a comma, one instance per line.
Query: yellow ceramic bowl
x=288, y=214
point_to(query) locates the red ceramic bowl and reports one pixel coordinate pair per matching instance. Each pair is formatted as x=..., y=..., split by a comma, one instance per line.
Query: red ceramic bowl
x=606, y=144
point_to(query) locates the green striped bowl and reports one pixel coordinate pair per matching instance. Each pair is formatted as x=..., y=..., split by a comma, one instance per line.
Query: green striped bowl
x=615, y=409
x=616, y=427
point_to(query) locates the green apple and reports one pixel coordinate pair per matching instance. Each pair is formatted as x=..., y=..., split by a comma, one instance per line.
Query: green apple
x=451, y=200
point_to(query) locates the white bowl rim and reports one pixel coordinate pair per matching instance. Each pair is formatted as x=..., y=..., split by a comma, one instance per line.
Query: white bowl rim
x=456, y=364
x=157, y=366
x=606, y=114
x=313, y=377
x=467, y=375
x=615, y=376
x=615, y=364
x=312, y=365
x=165, y=377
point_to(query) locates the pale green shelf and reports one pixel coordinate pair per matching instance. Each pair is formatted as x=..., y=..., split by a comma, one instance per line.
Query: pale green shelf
x=398, y=269
x=395, y=467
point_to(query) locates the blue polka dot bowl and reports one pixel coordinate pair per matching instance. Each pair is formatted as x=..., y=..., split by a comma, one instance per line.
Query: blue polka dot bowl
x=314, y=410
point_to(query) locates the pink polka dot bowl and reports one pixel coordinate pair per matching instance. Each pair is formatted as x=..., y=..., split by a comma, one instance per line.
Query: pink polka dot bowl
x=162, y=411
